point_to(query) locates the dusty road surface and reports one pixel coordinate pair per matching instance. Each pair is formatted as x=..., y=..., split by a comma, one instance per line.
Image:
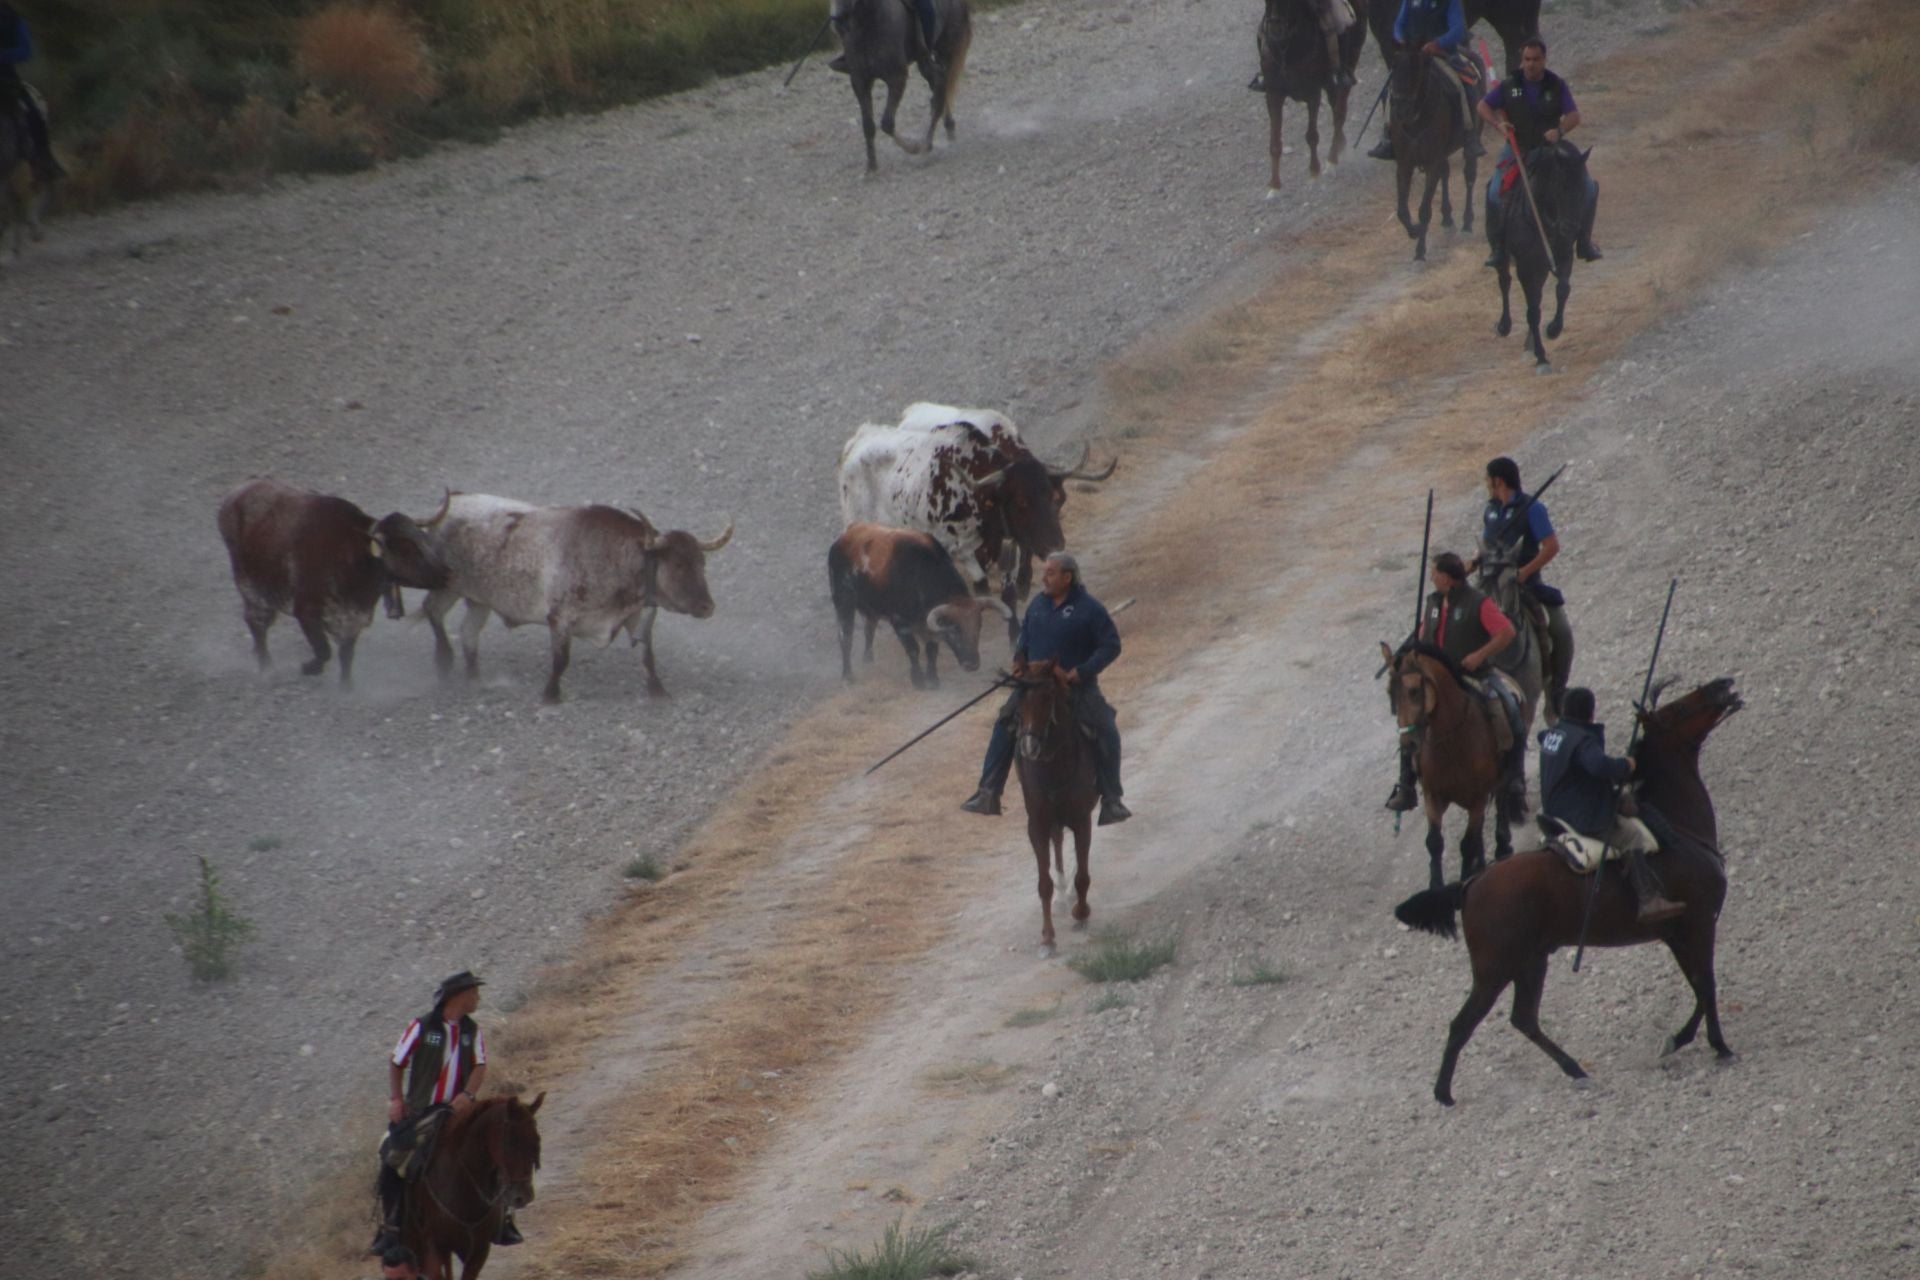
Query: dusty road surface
x=800, y=1034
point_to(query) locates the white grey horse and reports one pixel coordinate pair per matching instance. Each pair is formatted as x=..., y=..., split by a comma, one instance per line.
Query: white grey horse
x=882, y=39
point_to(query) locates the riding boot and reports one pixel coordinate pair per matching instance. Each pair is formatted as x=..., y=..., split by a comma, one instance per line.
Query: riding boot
x=1655, y=908
x=508, y=1234
x=1404, y=797
x=984, y=801
x=1516, y=783
x=1383, y=149
x=1107, y=769
x=838, y=62
x=998, y=764
x=1588, y=250
x=391, y=1190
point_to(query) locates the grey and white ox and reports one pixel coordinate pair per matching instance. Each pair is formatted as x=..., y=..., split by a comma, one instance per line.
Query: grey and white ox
x=590, y=572
x=966, y=477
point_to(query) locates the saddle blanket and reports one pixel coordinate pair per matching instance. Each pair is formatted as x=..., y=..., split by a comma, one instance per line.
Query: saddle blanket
x=1584, y=854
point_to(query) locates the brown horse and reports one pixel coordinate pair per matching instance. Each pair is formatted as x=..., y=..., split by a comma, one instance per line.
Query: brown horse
x=1521, y=910
x=1057, y=779
x=1294, y=64
x=481, y=1168
x=1459, y=763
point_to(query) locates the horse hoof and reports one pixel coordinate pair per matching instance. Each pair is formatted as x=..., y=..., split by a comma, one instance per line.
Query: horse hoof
x=1046, y=951
x=1584, y=1083
x=1443, y=1097
x=1502, y=328
x=1554, y=330
x=1671, y=1047
x=1541, y=366
x=1726, y=1057
x=1273, y=193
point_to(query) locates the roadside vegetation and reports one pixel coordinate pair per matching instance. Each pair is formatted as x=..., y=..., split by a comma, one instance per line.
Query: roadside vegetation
x=1120, y=957
x=211, y=934
x=914, y=1254
x=153, y=96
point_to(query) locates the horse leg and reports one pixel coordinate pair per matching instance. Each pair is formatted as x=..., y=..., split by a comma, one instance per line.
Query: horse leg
x=896, y=90
x=1059, y=861
x=1693, y=951
x=1479, y=1003
x=1563, y=285
x=1504, y=325
x=471, y=1264
x=1436, y=853
x=1404, y=182
x=1037, y=836
x=1337, y=100
x=1502, y=828
x=1471, y=166
x=863, y=94
x=1276, y=106
x=1534, y=344
x=1446, y=197
x=1527, y=989
x=937, y=82
x=1082, y=881
x=1426, y=210
x=1313, y=136
x=1473, y=844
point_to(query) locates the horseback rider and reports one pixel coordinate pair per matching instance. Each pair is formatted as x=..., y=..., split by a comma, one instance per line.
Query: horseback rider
x=437, y=1067
x=1067, y=626
x=1334, y=17
x=1534, y=109
x=1470, y=629
x=1516, y=524
x=17, y=102
x=1437, y=28
x=1578, y=780
x=929, y=21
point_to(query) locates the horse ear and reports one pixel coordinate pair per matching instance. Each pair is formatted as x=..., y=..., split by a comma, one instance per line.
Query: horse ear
x=1386, y=654
x=535, y=1104
x=1584, y=154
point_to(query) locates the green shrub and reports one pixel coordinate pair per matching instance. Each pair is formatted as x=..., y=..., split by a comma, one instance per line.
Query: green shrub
x=911, y=1255
x=1118, y=957
x=211, y=933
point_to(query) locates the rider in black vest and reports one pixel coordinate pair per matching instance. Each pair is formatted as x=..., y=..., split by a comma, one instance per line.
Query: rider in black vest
x=1535, y=108
x=1516, y=525
x=421, y=1086
x=1578, y=785
x=1468, y=628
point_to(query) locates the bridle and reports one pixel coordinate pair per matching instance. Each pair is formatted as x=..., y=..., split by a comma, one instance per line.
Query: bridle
x=492, y=1203
x=1031, y=743
x=1412, y=732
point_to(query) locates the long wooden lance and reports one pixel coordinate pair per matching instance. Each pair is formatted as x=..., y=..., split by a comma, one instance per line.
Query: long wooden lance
x=1640, y=708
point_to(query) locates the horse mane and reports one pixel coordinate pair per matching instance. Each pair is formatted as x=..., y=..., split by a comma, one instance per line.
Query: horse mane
x=1428, y=649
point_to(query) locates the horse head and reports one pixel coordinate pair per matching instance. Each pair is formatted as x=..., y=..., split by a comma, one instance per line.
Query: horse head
x=1043, y=710
x=1682, y=726
x=1414, y=690
x=1405, y=67
x=513, y=1147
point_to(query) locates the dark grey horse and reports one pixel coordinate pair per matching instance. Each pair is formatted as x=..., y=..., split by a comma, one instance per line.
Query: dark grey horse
x=882, y=39
x=1557, y=174
x=1294, y=63
x=1426, y=129
x=23, y=194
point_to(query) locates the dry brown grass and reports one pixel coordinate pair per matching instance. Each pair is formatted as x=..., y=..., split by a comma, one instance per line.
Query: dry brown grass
x=1418, y=376
x=373, y=56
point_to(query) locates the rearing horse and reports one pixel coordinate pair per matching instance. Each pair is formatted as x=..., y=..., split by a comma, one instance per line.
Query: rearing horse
x=1060, y=787
x=481, y=1167
x=1520, y=911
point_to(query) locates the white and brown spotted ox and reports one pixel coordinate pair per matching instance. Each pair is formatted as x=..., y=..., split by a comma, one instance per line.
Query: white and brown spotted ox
x=323, y=560
x=905, y=578
x=964, y=476
x=590, y=572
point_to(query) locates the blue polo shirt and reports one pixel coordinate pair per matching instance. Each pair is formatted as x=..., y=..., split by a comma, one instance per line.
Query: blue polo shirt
x=1078, y=634
x=1524, y=534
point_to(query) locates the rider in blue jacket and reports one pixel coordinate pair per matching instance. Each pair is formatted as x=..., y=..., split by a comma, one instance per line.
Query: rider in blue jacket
x=17, y=105
x=1438, y=28
x=929, y=22
x=1064, y=625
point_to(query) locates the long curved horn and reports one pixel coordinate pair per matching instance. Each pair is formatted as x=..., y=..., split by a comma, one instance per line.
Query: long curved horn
x=1077, y=474
x=999, y=606
x=719, y=542
x=938, y=615
x=990, y=480
x=1061, y=473
x=446, y=500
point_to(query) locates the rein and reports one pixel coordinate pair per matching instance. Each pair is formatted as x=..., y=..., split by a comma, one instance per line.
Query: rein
x=493, y=1204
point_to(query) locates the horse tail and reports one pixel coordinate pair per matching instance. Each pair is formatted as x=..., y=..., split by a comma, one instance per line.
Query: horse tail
x=955, y=66
x=1433, y=910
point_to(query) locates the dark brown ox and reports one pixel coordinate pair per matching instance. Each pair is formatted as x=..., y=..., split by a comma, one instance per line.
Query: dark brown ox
x=323, y=560
x=590, y=572
x=907, y=579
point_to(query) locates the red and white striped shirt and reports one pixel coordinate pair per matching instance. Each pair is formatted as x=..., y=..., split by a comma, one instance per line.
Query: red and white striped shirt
x=450, y=1069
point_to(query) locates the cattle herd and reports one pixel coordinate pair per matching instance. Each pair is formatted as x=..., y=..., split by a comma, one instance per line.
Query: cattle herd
x=932, y=508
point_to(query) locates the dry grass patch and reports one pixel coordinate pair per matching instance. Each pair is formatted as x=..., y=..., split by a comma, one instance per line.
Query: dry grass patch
x=369, y=54
x=984, y=1076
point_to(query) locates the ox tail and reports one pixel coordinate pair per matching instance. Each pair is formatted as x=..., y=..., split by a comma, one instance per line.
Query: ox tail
x=1433, y=910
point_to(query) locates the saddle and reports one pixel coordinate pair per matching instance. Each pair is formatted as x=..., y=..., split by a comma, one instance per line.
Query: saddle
x=1584, y=854
x=1500, y=700
x=407, y=1147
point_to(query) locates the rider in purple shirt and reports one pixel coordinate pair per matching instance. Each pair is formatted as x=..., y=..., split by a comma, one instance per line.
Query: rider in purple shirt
x=1534, y=108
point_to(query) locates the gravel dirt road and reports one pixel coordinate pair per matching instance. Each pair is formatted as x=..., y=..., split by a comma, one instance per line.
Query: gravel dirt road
x=688, y=306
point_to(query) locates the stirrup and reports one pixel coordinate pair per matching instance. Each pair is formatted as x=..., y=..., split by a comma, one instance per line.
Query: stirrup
x=1382, y=150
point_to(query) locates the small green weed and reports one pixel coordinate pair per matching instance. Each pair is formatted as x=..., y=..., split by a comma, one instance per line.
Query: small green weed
x=1031, y=1017
x=1261, y=975
x=1119, y=957
x=645, y=867
x=210, y=934
x=1111, y=998
x=264, y=844
x=915, y=1254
